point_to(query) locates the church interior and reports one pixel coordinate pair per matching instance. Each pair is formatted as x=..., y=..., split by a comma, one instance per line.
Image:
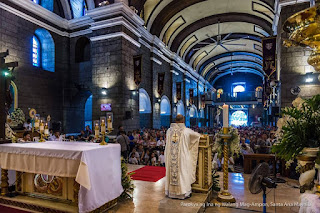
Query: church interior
x=135, y=105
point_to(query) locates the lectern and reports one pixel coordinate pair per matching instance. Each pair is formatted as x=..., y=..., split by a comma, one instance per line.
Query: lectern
x=203, y=182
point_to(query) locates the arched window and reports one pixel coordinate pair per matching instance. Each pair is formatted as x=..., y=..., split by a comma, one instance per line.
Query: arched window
x=144, y=102
x=239, y=118
x=193, y=113
x=14, y=95
x=82, y=50
x=180, y=108
x=88, y=112
x=238, y=88
x=43, y=50
x=36, y=51
x=48, y=4
x=165, y=107
x=78, y=8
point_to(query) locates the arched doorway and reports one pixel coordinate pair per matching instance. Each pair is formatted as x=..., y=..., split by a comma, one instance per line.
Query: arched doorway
x=88, y=112
x=144, y=109
x=192, y=116
x=180, y=108
x=14, y=95
x=165, y=111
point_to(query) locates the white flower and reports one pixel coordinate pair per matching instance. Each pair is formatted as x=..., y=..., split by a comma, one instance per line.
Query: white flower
x=298, y=103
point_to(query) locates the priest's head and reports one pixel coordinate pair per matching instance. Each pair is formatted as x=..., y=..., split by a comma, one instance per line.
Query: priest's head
x=180, y=119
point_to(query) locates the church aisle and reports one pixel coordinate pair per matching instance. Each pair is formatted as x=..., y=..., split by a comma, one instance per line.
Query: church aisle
x=238, y=186
x=150, y=197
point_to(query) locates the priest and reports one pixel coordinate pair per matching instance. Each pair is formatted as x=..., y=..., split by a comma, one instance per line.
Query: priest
x=181, y=154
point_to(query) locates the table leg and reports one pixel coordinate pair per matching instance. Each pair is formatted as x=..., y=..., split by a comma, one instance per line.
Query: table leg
x=245, y=165
x=19, y=180
x=76, y=188
x=4, y=182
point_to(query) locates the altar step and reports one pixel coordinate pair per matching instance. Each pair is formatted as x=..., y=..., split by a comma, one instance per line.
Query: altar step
x=37, y=205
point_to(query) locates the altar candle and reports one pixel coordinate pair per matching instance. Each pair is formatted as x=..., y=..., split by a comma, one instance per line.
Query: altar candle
x=46, y=129
x=41, y=127
x=103, y=126
x=96, y=130
x=36, y=123
x=225, y=115
x=109, y=123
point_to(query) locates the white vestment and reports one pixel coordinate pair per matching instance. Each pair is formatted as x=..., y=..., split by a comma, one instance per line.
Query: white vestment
x=181, y=156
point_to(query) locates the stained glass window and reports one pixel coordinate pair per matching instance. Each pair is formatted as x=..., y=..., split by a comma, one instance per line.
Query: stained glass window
x=239, y=118
x=238, y=88
x=35, y=51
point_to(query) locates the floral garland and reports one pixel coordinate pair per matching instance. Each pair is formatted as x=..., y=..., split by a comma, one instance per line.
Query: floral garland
x=126, y=181
x=17, y=117
x=233, y=143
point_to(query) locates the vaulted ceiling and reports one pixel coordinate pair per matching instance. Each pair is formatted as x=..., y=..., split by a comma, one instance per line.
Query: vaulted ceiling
x=193, y=29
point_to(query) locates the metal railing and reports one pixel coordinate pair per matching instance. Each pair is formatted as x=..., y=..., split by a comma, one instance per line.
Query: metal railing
x=238, y=97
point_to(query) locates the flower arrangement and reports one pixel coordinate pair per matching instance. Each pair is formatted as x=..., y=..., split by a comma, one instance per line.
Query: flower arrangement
x=126, y=181
x=17, y=117
x=234, y=142
x=298, y=128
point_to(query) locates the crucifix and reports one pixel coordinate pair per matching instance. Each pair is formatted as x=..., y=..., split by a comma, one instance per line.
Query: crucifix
x=5, y=99
x=175, y=137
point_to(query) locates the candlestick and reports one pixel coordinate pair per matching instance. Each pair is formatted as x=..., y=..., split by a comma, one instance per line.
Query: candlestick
x=103, y=126
x=96, y=131
x=225, y=115
x=46, y=129
x=36, y=123
x=109, y=122
x=41, y=127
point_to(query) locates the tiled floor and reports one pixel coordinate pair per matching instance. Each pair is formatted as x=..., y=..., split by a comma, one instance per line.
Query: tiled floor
x=149, y=197
x=284, y=194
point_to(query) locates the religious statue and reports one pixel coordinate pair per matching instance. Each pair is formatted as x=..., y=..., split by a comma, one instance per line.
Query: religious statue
x=181, y=159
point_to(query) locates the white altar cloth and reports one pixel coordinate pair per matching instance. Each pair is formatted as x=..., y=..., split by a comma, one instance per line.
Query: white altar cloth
x=309, y=203
x=96, y=168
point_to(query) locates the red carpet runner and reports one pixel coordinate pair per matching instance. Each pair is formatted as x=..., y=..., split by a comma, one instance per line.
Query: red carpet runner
x=5, y=209
x=149, y=173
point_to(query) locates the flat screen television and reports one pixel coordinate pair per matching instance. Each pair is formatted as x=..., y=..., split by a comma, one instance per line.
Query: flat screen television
x=106, y=107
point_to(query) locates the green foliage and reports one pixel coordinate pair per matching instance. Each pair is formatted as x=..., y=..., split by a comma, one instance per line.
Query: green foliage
x=126, y=181
x=215, y=181
x=298, y=128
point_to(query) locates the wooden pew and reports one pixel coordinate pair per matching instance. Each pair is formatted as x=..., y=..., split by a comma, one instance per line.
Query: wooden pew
x=249, y=158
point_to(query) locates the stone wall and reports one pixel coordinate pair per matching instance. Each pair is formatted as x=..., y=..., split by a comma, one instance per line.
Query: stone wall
x=293, y=64
x=37, y=88
x=63, y=93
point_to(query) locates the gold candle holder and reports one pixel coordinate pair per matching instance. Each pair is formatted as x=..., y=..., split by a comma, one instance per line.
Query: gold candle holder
x=225, y=195
x=103, y=141
x=41, y=129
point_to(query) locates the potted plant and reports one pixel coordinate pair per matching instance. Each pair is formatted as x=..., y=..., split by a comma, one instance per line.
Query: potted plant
x=298, y=137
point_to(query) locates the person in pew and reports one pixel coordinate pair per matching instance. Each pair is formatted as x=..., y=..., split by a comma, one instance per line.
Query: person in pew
x=82, y=136
x=133, y=159
x=27, y=125
x=26, y=138
x=124, y=141
x=56, y=136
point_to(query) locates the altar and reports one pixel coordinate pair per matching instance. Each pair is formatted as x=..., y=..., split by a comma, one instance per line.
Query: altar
x=83, y=174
